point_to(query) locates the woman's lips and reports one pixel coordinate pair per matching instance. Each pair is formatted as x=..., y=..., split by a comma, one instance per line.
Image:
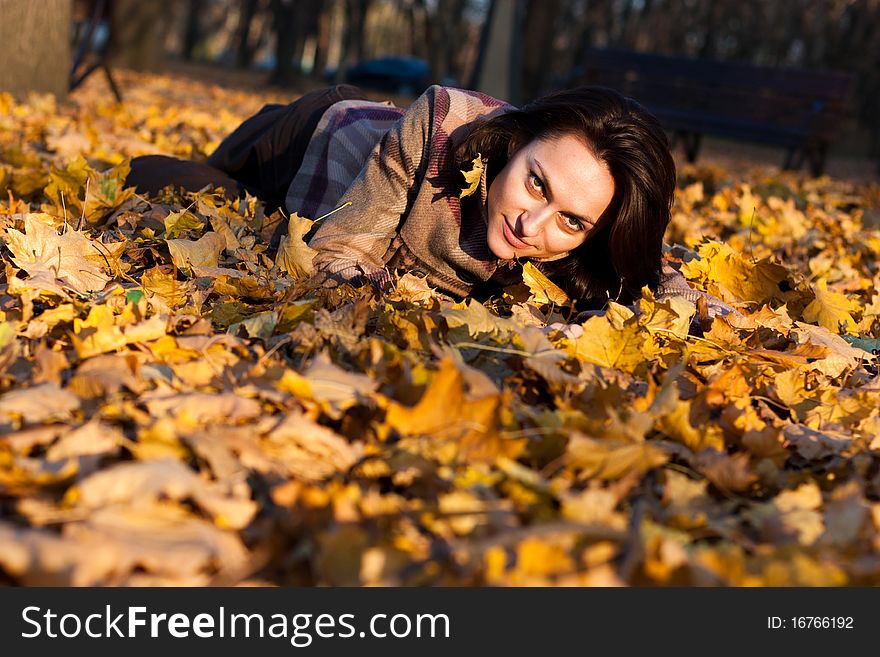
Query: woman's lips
x=512, y=239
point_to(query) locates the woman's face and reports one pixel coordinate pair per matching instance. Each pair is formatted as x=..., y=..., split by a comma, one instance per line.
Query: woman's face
x=547, y=199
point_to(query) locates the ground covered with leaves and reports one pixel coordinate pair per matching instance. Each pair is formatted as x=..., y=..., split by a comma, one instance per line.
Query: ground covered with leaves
x=180, y=404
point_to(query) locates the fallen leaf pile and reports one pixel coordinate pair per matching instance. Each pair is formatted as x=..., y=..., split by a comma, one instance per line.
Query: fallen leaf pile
x=181, y=404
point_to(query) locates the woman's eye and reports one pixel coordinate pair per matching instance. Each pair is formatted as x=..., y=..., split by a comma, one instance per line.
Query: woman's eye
x=573, y=224
x=536, y=183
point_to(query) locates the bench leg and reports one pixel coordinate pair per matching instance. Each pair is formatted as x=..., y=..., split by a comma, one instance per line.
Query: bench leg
x=813, y=154
x=690, y=142
x=793, y=159
x=817, y=158
x=111, y=82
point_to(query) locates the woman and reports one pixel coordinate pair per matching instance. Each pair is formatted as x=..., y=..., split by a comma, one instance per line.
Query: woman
x=580, y=182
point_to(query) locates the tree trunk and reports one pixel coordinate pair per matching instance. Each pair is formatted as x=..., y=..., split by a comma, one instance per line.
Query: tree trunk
x=244, y=47
x=192, y=32
x=138, y=32
x=537, y=45
x=352, y=36
x=323, y=46
x=35, y=46
x=294, y=23
x=284, y=16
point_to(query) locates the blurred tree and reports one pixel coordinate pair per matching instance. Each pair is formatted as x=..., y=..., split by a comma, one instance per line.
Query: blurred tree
x=192, y=32
x=35, y=46
x=353, y=41
x=538, y=32
x=245, y=46
x=137, y=34
x=445, y=32
x=294, y=22
x=203, y=22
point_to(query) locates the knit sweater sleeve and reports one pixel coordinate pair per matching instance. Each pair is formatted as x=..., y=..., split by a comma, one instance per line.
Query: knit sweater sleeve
x=673, y=284
x=353, y=241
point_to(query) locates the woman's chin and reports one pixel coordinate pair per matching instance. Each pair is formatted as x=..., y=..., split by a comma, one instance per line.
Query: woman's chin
x=500, y=248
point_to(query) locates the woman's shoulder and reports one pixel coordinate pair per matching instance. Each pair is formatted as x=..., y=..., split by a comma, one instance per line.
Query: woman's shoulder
x=463, y=104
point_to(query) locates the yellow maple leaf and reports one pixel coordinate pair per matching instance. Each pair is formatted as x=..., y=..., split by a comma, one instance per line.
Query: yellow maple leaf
x=446, y=413
x=99, y=332
x=543, y=289
x=670, y=316
x=294, y=255
x=477, y=319
x=733, y=277
x=831, y=309
x=180, y=222
x=604, y=344
x=472, y=177
x=81, y=192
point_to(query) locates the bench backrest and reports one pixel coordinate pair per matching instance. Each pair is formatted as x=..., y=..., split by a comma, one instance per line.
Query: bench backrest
x=797, y=99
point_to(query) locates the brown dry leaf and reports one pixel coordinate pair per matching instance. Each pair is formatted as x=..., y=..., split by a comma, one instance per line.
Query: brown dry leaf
x=729, y=473
x=106, y=375
x=204, y=252
x=39, y=557
x=40, y=403
x=162, y=540
x=329, y=385
x=840, y=357
x=473, y=176
x=201, y=408
x=94, y=438
x=477, y=319
x=847, y=516
x=309, y=451
x=813, y=444
x=137, y=484
x=82, y=264
x=414, y=289
x=608, y=459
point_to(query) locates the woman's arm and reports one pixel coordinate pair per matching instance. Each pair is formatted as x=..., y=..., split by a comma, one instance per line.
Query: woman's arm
x=673, y=284
x=354, y=241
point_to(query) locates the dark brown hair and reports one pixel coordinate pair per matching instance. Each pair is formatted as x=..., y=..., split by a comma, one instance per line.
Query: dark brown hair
x=623, y=253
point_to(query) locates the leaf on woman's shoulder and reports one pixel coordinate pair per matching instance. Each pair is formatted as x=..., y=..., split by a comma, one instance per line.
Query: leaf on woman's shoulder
x=472, y=177
x=294, y=255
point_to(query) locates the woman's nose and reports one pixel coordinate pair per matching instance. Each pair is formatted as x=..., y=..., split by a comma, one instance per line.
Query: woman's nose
x=533, y=220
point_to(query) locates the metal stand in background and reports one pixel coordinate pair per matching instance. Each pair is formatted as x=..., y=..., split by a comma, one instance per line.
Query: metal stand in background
x=84, y=40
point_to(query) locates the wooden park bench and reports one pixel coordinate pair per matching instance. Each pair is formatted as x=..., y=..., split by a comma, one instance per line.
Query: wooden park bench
x=797, y=109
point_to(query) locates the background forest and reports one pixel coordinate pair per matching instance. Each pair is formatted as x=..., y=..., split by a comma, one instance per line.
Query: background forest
x=304, y=38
